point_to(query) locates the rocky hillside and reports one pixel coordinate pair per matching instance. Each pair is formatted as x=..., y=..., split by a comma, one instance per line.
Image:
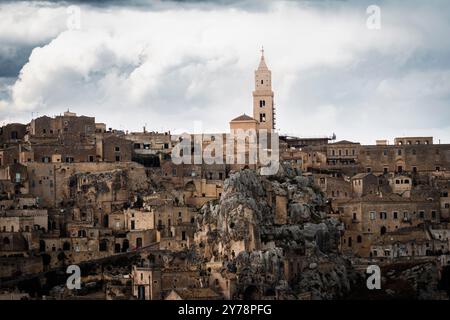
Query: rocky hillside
x=291, y=258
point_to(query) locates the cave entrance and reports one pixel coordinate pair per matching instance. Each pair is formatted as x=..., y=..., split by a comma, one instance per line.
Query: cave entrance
x=138, y=243
x=41, y=246
x=106, y=221
x=125, y=245
x=66, y=246
x=251, y=293
x=141, y=292
x=103, y=246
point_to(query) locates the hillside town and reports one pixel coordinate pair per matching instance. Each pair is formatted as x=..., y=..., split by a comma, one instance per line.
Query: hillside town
x=140, y=226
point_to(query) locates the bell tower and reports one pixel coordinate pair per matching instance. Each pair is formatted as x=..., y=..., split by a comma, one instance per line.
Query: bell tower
x=263, y=107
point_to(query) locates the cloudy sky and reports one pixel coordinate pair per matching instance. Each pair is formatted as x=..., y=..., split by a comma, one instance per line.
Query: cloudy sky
x=168, y=64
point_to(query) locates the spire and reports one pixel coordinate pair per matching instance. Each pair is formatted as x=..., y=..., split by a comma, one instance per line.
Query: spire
x=262, y=63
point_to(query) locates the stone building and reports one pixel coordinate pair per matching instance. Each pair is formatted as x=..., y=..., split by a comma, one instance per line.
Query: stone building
x=12, y=133
x=155, y=278
x=117, y=149
x=372, y=216
x=150, y=148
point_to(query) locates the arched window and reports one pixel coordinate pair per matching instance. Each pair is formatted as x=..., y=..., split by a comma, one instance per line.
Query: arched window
x=359, y=239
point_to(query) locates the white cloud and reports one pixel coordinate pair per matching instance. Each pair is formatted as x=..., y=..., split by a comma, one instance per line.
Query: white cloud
x=170, y=67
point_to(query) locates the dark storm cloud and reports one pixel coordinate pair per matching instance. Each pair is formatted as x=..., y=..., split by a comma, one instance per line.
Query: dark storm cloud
x=13, y=57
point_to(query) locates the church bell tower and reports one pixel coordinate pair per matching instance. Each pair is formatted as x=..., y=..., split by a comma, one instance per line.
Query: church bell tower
x=263, y=107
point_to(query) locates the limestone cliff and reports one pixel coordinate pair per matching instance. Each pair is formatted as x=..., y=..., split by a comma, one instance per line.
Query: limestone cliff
x=274, y=234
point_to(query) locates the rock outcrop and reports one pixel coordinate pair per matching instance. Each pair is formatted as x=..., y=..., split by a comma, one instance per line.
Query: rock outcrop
x=295, y=257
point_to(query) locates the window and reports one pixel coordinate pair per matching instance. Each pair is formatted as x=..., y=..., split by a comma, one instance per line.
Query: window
x=433, y=214
x=414, y=151
x=137, y=146
x=447, y=206
x=414, y=169
x=438, y=168
x=117, y=149
x=385, y=152
x=383, y=215
x=372, y=215
x=91, y=158
x=399, y=152
x=421, y=214
x=262, y=117
x=117, y=158
x=354, y=215
x=385, y=170
x=262, y=103
x=359, y=239
x=400, y=169
x=395, y=215
x=369, y=170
